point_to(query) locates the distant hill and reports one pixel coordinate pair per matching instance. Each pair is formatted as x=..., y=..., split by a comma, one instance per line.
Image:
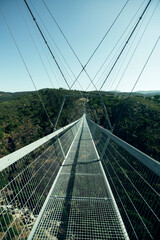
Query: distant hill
x=23, y=119
x=136, y=120
x=6, y=96
x=151, y=93
x=146, y=93
x=139, y=93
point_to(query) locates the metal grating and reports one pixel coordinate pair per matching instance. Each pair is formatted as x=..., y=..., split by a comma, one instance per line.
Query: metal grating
x=93, y=219
x=80, y=204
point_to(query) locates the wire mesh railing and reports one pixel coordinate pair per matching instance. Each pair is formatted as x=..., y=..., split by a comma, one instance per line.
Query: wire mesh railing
x=135, y=182
x=26, y=177
x=80, y=204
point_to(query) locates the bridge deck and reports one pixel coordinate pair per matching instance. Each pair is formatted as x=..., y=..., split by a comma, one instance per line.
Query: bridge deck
x=80, y=204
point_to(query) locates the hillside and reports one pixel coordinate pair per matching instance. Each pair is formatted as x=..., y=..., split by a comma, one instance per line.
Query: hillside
x=23, y=120
x=138, y=93
x=136, y=120
x=149, y=93
x=6, y=96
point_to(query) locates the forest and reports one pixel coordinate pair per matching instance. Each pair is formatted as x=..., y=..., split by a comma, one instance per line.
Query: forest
x=135, y=119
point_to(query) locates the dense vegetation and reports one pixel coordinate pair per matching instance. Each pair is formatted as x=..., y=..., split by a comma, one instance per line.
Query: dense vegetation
x=135, y=120
x=23, y=120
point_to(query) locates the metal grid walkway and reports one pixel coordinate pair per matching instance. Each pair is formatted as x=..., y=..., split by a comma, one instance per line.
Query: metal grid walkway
x=80, y=204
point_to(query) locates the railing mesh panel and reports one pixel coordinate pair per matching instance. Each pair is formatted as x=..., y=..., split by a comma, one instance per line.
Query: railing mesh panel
x=25, y=184
x=136, y=188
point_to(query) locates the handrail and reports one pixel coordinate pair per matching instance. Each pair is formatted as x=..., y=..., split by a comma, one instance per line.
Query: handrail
x=11, y=158
x=149, y=162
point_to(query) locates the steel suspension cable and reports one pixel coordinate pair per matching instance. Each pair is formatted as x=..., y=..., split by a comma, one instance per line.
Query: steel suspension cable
x=112, y=60
x=62, y=33
x=84, y=67
x=49, y=51
x=137, y=46
x=144, y=66
x=113, y=48
x=125, y=45
x=51, y=65
x=26, y=67
x=47, y=73
x=56, y=46
x=45, y=68
x=107, y=32
x=34, y=19
x=119, y=67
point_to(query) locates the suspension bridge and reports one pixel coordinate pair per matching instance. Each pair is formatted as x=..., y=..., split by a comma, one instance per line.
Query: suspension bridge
x=80, y=181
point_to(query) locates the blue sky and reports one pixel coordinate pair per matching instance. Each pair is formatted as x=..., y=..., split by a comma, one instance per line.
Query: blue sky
x=84, y=22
